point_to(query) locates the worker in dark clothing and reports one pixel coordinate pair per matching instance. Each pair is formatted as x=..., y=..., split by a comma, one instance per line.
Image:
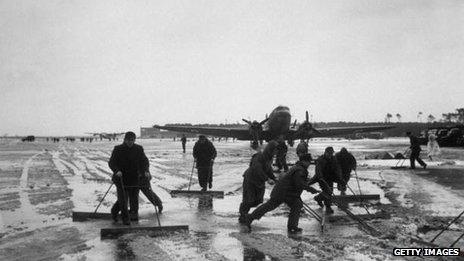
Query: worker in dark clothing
x=302, y=148
x=128, y=162
x=184, y=141
x=415, y=151
x=145, y=187
x=281, y=155
x=347, y=163
x=327, y=172
x=255, y=177
x=204, y=154
x=287, y=190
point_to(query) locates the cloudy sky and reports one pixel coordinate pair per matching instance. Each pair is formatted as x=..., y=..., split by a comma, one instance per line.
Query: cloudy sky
x=69, y=67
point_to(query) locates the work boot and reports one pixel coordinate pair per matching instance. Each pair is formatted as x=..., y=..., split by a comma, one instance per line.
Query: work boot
x=294, y=230
x=134, y=216
x=114, y=216
x=329, y=211
x=247, y=221
x=210, y=185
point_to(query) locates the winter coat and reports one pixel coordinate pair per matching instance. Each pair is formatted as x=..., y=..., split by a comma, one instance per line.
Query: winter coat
x=433, y=149
x=302, y=148
x=415, y=144
x=327, y=169
x=346, y=161
x=204, y=152
x=292, y=183
x=281, y=149
x=259, y=171
x=132, y=162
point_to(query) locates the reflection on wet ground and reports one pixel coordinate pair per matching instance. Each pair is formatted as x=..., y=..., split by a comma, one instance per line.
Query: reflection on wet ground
x=123, y=250
x=77, y=176
x=250, y=254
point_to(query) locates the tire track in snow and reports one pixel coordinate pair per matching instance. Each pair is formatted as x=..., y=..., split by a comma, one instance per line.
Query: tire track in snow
x=26, y=206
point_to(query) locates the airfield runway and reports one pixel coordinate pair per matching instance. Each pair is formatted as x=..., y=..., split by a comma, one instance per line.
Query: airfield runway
x=42, y=183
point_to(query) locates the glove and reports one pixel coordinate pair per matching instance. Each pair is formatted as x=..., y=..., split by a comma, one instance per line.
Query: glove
x=312, y=190
x=271, y=182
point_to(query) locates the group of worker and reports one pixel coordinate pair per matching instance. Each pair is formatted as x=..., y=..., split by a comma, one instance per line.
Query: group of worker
x=330, y=168
x=130, y=166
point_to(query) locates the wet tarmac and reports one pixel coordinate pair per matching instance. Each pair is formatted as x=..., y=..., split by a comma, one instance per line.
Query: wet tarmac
x=42, y=183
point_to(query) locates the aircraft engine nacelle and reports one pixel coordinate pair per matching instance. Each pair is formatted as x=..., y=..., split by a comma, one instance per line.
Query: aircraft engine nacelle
x=255, y=129
x=306, y=130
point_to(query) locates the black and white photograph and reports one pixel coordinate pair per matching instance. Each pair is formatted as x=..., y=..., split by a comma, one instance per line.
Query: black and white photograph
x=232, y=130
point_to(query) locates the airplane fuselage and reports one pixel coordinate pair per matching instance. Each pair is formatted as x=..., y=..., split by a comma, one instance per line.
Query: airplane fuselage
x=279, y=122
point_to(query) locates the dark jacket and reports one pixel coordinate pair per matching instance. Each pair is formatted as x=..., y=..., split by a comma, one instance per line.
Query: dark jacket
x=204, y=152
x=292, y=183
x=183, y=139
x=327, y=169
x=260, y=170
x=302, y=148
x=281, y=149
x=346, y=161
x=415, y=144
x=132, y=162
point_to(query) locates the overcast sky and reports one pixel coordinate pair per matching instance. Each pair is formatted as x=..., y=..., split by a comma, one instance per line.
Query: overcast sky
x=70, y=67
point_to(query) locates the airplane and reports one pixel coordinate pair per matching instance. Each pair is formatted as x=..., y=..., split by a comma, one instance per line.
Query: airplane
x=278, y=124
x=106, y=135
x=32, y=138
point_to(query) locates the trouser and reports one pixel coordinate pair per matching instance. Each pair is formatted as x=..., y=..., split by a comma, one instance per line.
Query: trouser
x=183, y=147
x=326, y=194
x=205, y=175
x=294, y=203
x=415, y=156
x=252, y=196
x=281, y=162
x=341, y=185
x=146, y=189
x=131, y=194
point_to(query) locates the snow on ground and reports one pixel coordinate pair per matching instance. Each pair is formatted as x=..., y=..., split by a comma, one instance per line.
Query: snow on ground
x=42, y=183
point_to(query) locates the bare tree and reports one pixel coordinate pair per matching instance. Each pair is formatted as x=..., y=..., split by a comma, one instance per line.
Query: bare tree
x=388, y=117
x=419, y=116
x=460, y=115
x=446, y=117
x=430, y=118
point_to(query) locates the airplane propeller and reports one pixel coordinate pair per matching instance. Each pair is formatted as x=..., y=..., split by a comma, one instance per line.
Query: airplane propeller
x=255, y=129
x=306, y=128
x=294, y=124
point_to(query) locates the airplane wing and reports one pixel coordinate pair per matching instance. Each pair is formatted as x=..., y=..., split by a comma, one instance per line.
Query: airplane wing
x=238, y=133
x=338, y=131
